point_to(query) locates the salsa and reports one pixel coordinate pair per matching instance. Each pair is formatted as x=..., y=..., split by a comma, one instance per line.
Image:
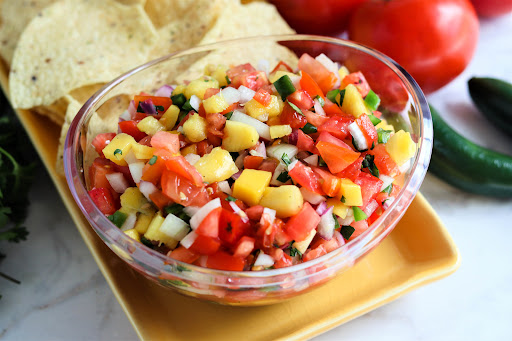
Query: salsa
x=250, y=169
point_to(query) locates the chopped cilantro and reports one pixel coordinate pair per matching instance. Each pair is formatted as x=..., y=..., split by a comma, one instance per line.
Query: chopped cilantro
x=388, y=189
x=286, y=159
x=283, y=177
x=309, y=128
x=178, y=100
x=228, y=80
x=343, y=199
x=296, y=108
x=230, y=198
x=336, y=222
x=228, y=115
x=347, y=231
x=118, y=151
x=147, y=242
x=369, y=163
x=153, y=160
x=177, y=210
x=293, y=251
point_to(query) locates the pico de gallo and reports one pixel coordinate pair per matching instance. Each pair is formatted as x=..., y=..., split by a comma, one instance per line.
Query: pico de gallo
x=249, y=168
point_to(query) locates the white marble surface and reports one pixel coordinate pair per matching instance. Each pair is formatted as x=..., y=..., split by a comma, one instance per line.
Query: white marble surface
x=63, y=295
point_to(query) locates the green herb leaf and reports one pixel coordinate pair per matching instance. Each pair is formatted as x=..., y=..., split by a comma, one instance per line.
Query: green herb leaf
x=320, y=100
x=309, y=128
x=139, y=108
x=293, y=251
x=228, y=115
x=321, y=162
x=369, y=163
x=187, y=107
x=228, y=80
x=388, y=189
x=283, y=177
x=153, y=160
x=118, y=218
x=284, y=86
x=230, y=198
x=331, y=95
x=343, y=199
x=375, y=120
x=286, y=159
x=359, y=214
x=159, y=108
x=342, y=97
x=336, y=222
x=178, y=100
x=383, y=135
x=347, y=231
x=147, y=242
x=177, y=210
x=294, y=107
x=372, y=100
x=118, y=152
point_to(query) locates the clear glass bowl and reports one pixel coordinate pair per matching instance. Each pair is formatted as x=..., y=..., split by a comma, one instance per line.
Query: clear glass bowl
x=403, y=104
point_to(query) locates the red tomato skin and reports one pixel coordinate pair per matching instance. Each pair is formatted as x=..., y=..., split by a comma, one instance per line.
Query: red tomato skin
x=383, y=161
x=293, y=118
x=301, y=99
x=300, y=225
x=100, y=141
x=305, y=176
x=426, y=48
x=368, y=129
x=103, y=200
x=305, y=142
x=244, y=247
x=352, y=171
x=336, y=157
x=336, y=126
x=222, y=260
x=98, y=171
x=321, y=75
x=130, y=128
x=180, y=165
x=160, y=200
x=308, y=84
x=252, y=162
x=315, y=119
x=209, y=227
x=492, y=8
x=166, y=141
x=262, y=96
x=210, y=92
x=231, y=227
x=182, y=191
x=205, y=245
x=314, y=253
x=184, y=255
x=254, y=212
x=357, y=78
x=370, y=186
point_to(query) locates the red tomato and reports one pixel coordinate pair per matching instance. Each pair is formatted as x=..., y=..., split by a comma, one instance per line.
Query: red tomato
x=180, y=165
x=293, y=118
x=100, y=141
x=308, y=84
x=336, y=126
x=205, y=245
x=210, y=92
x=252, y=162
x=300, y=225
x=330, y=183
x=331, y=108
x=224, y=261
x=314, y=253
x=269, y=165
x=166, y=141
x=315, y=119
x=98, y=171
x=153, y=173
x=182, y=191
x=370, y=186
x=301, y=99
x=359, y=226
x=368, y=129
x=244, y=247
x=160, y=200
x=357, y=78
x=103, y=200
x=254, y=212
x=337, y=158
x=326, y=17
x=305, y=142
x=305, y=176
x=231, y=227
x=130, y=128
x=323, y=77
x=246, y=75
x=184, y=255
x=326, y=137
x=433, y=40
x=383, y=161
x=283, y=262
x=492, y=8
x=262, y=96
x=210, y=225
x=352, y=171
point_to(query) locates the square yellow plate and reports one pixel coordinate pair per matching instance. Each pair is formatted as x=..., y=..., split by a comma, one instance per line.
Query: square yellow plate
x=418, y=251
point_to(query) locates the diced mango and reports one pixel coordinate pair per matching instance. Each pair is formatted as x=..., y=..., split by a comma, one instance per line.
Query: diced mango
x=218, y=72
x=278, y=74
x=286, y=200
x=275, y=107
x=215, y=104
x=400, y=147
x=195, y=128
x=239, y=136
x=353, y=102
x=338, y=208
x=198, y=87
x=150, y=125
x=274, y=121
x=117, y=149
x=303, y=245
x=351, y=192
x=142, y=152
x=280, y=131
x=143, y=221
x=216, y=166
x=134, y=201
x=255, y=109
x=180, y=89
x=190, y=149
x=343, y=72
x=169, y=119
x=383, y=124
x=251, y=184
x=133, y=233
x=153, y=233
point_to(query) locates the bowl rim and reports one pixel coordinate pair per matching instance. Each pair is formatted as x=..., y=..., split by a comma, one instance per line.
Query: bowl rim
x=409, y=189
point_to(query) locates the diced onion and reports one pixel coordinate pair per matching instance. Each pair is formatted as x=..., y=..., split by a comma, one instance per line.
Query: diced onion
x=117, y=181
x=147, y=188
x=192, y=158
x=165, y=91
x=194, y=102
x=318, y=108
x=262, y=128
x=348, y=219
x=239, y=161
x=130, y=157
x=371, y=207
x=136, y=171
x=339, y=238
x=312, y=160
x=331, y=66
x=358, y=136
x=188, y=240
x=322, y=207
x=293, y=137
x=130, y=221
x=236, y=175
x=405, y=167
x=231, y=95
x=311, y=197
x=264, y=260
x=125, y=116
x=148, y=107
x=326, y=226
x=174, y=227
x=239, y=211
x=269, y=215
x=388, y=202
x=197, y=218
x=292, y=165
x=246, y=94
x=259, y=150
x=386, y=181
x=224, y=187
x=279, y=150
x=191, y=210
x=279, y=169
x=132, y=110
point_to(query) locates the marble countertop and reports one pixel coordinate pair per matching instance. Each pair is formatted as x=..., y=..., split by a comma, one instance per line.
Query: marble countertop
x=63, y=295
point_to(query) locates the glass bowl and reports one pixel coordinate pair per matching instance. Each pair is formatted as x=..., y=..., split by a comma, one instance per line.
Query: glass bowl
x=402, y=103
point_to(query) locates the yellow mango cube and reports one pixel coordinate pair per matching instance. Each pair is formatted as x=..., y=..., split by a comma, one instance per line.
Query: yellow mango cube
x=134, y=201
x=216, y=166
x=218, y=72
x=251, y=185
x=280, y=131
x=180, y=89
x=351, y=192
x=133, y=233
x=118, y=148
x=215, y=104
x=303, y=245
x=195, y=128
x=142, y=152
x=190, y=149
x=383, y=124
x=401, y=147
x=353, y=102
x=343, y=72
x=170, y=117
x=338, y=208
x=239, y=136
x=153, y=233
x=143, y=221
x=198, y=87
x=286, y=200
x=273, y=77
x=150, y=125
x=255, y=109
x=275, y=107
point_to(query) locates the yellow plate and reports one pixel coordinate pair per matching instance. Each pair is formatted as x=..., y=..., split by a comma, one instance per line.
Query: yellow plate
x=418, y=251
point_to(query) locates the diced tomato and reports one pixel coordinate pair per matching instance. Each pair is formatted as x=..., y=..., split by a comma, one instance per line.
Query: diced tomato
x=130, y=128
x=98, y=171
x=224, y=261
x=182, y=191
x=100, y=141
x=359, y=226
x=321, y=75
x=103, y=200
x=210, y=92
x=254, y=212
x=305, y=142
x=215, y=128
x=337, y=158
x=203, y=148
x=232, y=227
x=153, y=173
x=282, y=66
x=180, y=165
x=315, y=119
x=305, y=176
x=336, y=126
x=314, y=253
x=331, y=108
x=244, y=247
x=327, y=137
x=160, y=200
x=166, y=141
x=356, y=78
x=301, y=99
x=281, y=237
x=383, y=161
x=162, y=102
x=247, y=76
x=252, y=162
x=268, y=165
x=370, y=186
x=205, y=245
x=283, y=262
x=329, y=245
x=375, y=215
x=308, y=84
x=300, y=225
x=210, y=225
x=380, y=197
x=291, y=117
x=330, y=184
x=238, y=70
x=183, y=255
x=262, y=96
x=352, y=171
x=146, y=141
x=368, y=129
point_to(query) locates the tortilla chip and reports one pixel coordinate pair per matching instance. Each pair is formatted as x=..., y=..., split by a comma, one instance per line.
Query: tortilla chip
x=75, y=43
x=71, y=111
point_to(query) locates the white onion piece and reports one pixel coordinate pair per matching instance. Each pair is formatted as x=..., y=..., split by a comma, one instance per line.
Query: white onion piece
x=388, y=202
x=260, y=150
x=231, y=95
x=386, y=181
x=312, y=160
x=405, y=167
x=318, y=108
x=130, y=221
x=269, y=215
x=191, y=210
x=371, y=207
x=339, y=238
x=165, y=91
x=239, y=211
x=358, y=136
x=117, y=181
x=326, y=226
x=194, y=102
x=188, y=240
x=292, y=165
x=322, y=208
x=147, y=188
x=136, y=171
x=130, y=157
x=192, y=158
x=279, y=150
x=246, y=94
x=131, y=109
x=331, y=66
x=236, y=175
x=224, y=187
x=239, y=161
x=348, y=219
x=174, y=227
x=264, y=260
x=279, y=169
x=125, y=116
x=262, y=128
x=311, y=197
x=197, y=218
x=263, y=65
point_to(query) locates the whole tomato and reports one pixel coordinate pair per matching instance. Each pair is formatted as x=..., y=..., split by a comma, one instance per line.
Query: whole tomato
x=433, y=40
x=328, y=17
x=492, y=8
